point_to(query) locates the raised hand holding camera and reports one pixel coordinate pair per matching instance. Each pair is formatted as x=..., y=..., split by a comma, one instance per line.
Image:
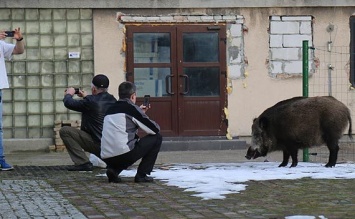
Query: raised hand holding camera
x=10, y=33
x=77, y=91
x=146, y=103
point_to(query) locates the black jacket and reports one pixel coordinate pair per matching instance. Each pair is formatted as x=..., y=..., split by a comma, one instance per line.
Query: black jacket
x=93, y=109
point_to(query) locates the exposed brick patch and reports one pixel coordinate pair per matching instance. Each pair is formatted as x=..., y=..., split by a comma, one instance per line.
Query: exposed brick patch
x=58, y=142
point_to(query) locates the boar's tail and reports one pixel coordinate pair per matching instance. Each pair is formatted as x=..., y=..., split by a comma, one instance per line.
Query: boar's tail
x=350, y=131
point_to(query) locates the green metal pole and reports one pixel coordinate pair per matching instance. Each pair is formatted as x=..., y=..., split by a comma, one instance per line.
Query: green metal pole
x=305, y=85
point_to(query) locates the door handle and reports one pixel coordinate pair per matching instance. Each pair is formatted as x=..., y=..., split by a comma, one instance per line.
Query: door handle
x=187, y=85
x=168, y=84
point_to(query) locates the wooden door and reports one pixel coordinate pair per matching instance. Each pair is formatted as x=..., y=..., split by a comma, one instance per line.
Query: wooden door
x=183, y=69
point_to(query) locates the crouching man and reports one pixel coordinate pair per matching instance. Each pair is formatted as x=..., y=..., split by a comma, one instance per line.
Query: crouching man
x=120, y=145
x=93, y=109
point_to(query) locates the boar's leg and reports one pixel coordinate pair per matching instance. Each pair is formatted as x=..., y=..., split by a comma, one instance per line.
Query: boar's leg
x=294, y=155
x=286, y=157
x=333, y=155
x=291, y=152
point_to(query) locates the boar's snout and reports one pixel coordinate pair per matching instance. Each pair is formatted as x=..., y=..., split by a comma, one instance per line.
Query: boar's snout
x=247, y=157
x=252, y=153
x=249, y=154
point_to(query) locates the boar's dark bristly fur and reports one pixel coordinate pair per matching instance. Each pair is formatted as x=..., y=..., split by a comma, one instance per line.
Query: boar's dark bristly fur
x=298, y=123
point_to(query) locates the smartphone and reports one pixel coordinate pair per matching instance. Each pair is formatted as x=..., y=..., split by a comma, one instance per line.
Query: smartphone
x=77, y=90
x=10, y=33
x=146, y=100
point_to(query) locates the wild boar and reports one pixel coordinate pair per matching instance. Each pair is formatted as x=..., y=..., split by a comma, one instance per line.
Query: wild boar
x=298, y=123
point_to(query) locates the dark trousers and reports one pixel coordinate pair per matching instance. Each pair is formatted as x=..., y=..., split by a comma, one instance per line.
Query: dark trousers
x=77, y=142
x=146, y=148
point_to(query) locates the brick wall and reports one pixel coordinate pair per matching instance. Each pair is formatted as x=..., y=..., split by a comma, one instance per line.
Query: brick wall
x=58, y=124
x=287, y=34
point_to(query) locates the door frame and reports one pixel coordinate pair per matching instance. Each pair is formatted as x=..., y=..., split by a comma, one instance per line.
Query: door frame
x=175, y=129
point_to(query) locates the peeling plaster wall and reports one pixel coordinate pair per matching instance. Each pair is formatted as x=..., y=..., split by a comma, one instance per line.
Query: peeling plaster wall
x=234, y=40
x=235, y=51
x=252, y=95
x=251, y=88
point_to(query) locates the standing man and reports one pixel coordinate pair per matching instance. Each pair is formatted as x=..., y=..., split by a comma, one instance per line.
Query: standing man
x=93, y=108
x=6, y=52
x=120, y=145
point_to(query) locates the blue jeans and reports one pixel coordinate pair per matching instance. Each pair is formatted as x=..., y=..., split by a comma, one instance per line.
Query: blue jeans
x=1, y=132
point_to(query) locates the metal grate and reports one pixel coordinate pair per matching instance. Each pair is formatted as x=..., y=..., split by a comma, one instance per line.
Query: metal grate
x=332, y=78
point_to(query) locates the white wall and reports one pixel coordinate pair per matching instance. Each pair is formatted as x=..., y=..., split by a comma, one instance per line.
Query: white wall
x=108, y=48
x=251, y=95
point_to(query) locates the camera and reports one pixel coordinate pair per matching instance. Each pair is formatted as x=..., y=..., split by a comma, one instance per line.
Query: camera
x=10, y=33
x=77, y=90
x=146, y=100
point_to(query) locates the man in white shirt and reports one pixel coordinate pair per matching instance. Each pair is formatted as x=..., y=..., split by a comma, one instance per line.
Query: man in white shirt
x=6, y=52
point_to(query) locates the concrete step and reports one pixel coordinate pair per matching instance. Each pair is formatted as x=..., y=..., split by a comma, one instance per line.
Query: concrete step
x=169, y=144
x=201, y=143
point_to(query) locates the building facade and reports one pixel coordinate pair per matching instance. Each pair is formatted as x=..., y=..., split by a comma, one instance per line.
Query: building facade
x=210, y=67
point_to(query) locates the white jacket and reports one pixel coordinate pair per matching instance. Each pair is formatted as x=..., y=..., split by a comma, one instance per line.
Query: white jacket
x=120, y=128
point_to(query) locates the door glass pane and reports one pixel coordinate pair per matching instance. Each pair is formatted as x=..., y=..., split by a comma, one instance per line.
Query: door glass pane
x=202, y=81
x=200, y=47
x=151, y=81
x=151, y=47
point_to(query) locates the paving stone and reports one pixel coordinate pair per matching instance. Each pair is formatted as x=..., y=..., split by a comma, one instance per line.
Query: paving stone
x=49, y=191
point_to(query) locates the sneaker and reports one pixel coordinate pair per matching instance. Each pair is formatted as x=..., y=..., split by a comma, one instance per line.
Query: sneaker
x=112, y=175
x=82, y=167
x=5, y=166
x=143, y=178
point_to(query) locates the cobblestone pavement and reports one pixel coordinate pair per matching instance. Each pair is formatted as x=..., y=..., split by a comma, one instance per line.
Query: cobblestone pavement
x=53, y=192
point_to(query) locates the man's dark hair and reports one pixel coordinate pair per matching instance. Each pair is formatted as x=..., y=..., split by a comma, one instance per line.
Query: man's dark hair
x=126, y=89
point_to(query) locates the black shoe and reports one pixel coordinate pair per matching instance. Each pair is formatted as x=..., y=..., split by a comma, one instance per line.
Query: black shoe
x=143, y=178
x=82, y=167
x=112, y=176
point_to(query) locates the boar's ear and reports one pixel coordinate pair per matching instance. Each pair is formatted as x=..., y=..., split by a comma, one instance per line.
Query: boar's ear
x=263, y=123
